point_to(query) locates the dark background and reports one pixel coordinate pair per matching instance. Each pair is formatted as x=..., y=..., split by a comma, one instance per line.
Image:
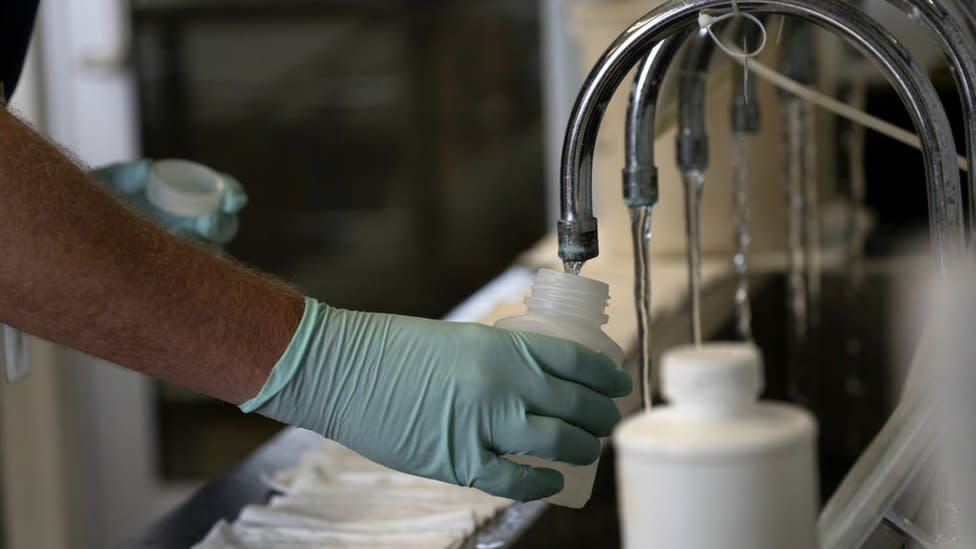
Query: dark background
x=392, y=152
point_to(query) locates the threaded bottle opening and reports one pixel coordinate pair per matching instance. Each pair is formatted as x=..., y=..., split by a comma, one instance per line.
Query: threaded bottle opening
x=569, y=295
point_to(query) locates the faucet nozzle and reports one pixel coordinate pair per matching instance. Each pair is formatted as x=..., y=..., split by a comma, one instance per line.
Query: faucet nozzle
x=578, y=239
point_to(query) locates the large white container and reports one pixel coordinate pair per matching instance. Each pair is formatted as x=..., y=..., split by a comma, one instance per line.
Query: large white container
x=570, y=307
x=716, y=468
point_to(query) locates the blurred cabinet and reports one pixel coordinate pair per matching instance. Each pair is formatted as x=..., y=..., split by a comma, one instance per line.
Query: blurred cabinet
x=392, y=152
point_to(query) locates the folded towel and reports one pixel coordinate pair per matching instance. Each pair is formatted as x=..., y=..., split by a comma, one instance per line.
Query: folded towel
x=336, y=498
x=225, y=536
x=457, y=523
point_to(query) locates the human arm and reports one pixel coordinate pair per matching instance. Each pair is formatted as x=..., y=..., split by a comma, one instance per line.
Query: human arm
x=431, y=398
x=80, y=269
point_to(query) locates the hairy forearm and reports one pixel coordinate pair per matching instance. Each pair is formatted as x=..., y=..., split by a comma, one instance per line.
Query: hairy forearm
x=79, y=268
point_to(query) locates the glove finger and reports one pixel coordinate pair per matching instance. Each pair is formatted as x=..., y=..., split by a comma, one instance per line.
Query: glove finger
x=573, y=362
x=548, y=438
x=576, y=405
x=235, y=198
x=503, y=478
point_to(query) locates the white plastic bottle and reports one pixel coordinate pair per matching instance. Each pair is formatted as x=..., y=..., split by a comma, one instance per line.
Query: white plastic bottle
x=569, y=307
x=184, y=188
x=715, y=467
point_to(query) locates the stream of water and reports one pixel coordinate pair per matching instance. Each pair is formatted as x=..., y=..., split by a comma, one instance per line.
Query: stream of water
x=795, y=207
x=742, y=237
x=693, y=181
x=647, y=376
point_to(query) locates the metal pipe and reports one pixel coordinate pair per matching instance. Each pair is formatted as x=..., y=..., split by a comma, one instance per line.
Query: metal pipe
x=745, y=100
x=640, y=172
x=640, y=184
x=577, y=229
x=968, y=10
x=691, y=157
x=744, y=120
x=798, y=60
x=959, y=48
x=798, y=126
x=692, y=142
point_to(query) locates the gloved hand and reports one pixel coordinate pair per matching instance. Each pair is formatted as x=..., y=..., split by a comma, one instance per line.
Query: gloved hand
x=445, y=400
x=128, y=181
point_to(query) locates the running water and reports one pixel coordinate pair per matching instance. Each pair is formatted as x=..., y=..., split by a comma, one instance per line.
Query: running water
x=811, y=229
x=740, y=228
x=796, y=290
x=856, y=230
x=647, y=376
x=693, y=181
x=852, y=142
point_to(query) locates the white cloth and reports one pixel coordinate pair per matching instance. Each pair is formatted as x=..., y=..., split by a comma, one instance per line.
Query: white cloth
x=224, y=536
x=335, y=498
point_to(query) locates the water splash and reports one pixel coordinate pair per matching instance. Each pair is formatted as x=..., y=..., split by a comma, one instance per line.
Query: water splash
x=740, y=228
x=693, y=181
x=647, y=376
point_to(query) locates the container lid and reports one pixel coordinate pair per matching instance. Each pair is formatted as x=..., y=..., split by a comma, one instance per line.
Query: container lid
x=184, y=188
x=715, y=372
x=713, y=411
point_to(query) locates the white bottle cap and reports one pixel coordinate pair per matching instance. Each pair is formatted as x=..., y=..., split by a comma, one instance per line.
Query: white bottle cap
x=719, y=374
x=184, y=188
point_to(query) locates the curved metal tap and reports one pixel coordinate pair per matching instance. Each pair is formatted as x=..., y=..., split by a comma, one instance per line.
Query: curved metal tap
x=744, y=113
x=959, y=48
x=640, y=172
x=691, y=156
x=798, y=59
x=578, y=227
x=692, y=143
x=968, y=10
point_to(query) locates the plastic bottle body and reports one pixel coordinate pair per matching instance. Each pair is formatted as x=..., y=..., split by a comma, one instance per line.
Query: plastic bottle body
x=556, y=327
x=716, y=468
x=554, y=309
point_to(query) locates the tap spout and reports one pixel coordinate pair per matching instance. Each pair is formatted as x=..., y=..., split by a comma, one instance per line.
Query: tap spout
x=798, y=60
x=745, y=103
x=692, y=141
x=640, y=172
x=959, y=48
x=577, y=226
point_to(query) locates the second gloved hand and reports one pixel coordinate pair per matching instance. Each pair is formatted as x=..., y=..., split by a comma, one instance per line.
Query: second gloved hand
x=445, y=400
x=128, y=180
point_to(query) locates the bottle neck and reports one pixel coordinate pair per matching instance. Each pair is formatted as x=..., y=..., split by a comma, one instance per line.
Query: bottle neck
x=712, y=381
x=568, y=296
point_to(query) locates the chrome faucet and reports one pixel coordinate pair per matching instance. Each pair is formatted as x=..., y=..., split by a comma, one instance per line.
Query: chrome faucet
x=663, y=29
x=745, y=100
x=691, y=156
x=640, y=172
x=959, y=48
x=577, y=228
x=640, y=175
x=692, y=142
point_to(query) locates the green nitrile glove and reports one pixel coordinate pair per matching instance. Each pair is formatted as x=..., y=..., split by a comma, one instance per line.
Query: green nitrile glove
x=129, y=179
x=445, y=400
